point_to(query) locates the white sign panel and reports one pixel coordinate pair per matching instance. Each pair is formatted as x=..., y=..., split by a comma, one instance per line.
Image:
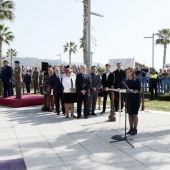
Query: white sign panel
x=126, y=62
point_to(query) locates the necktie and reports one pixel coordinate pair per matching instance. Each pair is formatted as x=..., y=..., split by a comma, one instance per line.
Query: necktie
x=71, y=83
x=84, y=81
x=58, y=78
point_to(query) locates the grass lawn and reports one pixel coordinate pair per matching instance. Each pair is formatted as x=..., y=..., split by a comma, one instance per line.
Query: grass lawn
x=162, y=104
x=158, y=105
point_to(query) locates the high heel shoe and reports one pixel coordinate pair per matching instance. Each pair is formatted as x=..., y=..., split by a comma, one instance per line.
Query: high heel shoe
x=73, y=116
x=134, y=132
x=129, y=132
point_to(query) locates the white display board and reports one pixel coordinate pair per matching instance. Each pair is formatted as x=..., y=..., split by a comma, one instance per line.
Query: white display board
x=126, y=62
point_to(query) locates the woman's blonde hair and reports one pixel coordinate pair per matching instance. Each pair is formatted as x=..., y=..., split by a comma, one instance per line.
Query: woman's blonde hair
x=132, y=70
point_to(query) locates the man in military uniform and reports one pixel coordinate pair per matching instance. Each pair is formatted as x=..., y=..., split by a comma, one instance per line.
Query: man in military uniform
x=35, y=76
x=41, y=82
x=18, y=79
x=27, y=81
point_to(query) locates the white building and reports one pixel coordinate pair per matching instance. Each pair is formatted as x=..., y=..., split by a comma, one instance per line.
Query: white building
x=127, y=62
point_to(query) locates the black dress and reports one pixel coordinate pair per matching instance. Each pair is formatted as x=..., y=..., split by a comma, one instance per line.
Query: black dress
x=133, y=99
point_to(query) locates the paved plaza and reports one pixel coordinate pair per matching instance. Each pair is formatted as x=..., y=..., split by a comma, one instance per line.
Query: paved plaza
x=50, y=142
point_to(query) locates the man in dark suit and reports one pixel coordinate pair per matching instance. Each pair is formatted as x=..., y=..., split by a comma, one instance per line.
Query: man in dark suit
x=27, y=81
x=120, y=76
x=56, y=85
x=94, y=89
x=6, y=75
x=108, y=80
x=83, y=84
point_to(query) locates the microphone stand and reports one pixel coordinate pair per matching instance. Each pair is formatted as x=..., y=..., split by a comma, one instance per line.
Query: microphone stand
x=118, y=138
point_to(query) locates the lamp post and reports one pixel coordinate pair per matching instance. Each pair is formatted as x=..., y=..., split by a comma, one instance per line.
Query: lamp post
x=153, y=45
x=60, y=57
x=89, y=34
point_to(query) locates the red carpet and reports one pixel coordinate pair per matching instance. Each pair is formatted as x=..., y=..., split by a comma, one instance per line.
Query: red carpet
x=27, y=100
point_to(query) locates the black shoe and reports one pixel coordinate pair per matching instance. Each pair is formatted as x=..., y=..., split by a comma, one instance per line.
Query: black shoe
x=129, y=132
x=121, y=110
x=4, y=97
x=93, y=114
x=116, y=110
x=134, y=132
x=102, y=112
x=86, y=117
x=78, y=117
x=67, y=116
x=73, y=116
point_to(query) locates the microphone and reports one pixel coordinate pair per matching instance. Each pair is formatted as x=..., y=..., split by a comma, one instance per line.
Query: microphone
x=130, y=90
x=126, y=85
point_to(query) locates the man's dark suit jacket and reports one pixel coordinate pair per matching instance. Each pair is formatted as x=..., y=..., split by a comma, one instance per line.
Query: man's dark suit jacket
x=109, y=82
x=120, y=76
x=55, y=83
x=79, y=83
x=95, y=81
x=6, y=74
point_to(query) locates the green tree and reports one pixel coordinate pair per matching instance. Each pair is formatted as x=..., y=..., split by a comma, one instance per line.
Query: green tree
x=81, y=42
x=163, y=39
x=85, y=24
x=100, y=70
x=6, y=10
x=71, y=47
x=11, y=53
x=6, y=36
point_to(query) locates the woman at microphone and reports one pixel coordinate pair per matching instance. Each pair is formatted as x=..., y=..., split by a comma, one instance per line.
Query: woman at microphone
x=133, y=99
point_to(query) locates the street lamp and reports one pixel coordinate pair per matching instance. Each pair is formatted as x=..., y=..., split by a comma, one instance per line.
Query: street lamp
x=153, y=45
x=60, y=57
x=89, y=33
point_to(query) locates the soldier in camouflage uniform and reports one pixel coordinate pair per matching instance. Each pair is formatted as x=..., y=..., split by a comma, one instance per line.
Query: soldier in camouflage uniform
x=48, y=96
x=41, y=82
x=35, y=76
x=18, y=79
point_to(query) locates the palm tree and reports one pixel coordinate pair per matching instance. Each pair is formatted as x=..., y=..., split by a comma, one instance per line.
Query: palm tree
x=6, y=10
x=5, y=36
x=71, y=47
x=11, y=53
x=85, y=25
x=81, y=42
x=164, y=39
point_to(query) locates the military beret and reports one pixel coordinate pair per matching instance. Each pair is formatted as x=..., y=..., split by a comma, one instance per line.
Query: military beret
x=17, y=62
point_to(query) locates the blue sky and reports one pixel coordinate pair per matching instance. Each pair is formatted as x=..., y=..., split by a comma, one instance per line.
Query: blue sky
x=42, y=28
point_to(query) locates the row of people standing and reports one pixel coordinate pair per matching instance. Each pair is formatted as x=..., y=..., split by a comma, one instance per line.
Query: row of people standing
x=83, y=89
x=8, y=77
x=86, y=86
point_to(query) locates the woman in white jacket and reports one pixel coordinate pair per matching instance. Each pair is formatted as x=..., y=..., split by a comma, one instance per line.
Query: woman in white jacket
x=69, y=96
